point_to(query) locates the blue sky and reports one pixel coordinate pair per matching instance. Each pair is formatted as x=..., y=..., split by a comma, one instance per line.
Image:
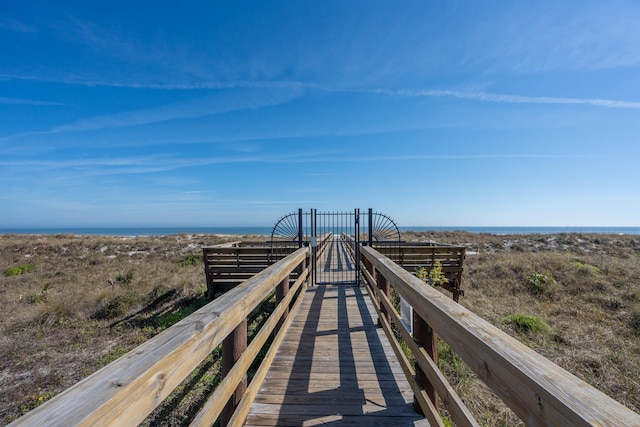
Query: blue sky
x=234, y=113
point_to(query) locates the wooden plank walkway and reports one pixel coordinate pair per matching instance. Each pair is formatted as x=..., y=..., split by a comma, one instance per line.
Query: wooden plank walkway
x=335, y=367
x=335, y=266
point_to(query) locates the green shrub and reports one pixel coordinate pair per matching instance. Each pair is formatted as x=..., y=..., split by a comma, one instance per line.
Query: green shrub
x=538, y=283
x=19, y=269
x=523, y=323
x=459, y=374
x=447, y=421
x=579, y=265
x=191, y=260
x=434, y=276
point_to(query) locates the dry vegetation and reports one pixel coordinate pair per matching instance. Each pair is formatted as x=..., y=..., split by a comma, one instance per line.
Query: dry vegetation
x=586, y=288
x=86, y=301
x=73, y=304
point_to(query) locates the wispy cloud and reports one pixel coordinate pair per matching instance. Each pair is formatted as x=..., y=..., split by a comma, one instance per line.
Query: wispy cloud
x=152, y=164
x=210, y=105
x=421, y=157
x=514, y=99
x=183, y=83
x=527, y=38
x=18, y=101
x=219, y=103
x=148, y=164
x=17, y=26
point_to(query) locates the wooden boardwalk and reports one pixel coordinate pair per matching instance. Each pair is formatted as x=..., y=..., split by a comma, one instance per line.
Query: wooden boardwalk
x=335, y=266
x=335, y=367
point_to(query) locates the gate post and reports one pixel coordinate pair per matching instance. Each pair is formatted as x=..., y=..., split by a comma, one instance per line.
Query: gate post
x=356, y=246
x=314, y=250
x=300, y=233
x=370, y=242
x=232, y=348
x=424, y=335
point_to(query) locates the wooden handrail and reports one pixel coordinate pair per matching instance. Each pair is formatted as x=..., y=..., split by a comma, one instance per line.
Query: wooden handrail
x=227, y=266
x=127, y=390
x=536, y=389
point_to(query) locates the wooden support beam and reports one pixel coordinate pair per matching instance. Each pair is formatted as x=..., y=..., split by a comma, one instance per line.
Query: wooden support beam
x=281, y=292
x=424, y=335
x=232, y=348
x=385, y=289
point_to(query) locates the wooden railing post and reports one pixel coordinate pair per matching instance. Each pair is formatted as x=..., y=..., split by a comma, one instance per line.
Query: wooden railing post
x=424, y=335
x=371, y=269
x=281, y=291
x=385, y=288
x=301, y=267
x=368, y=266
x=207, y=275
x=232, y=348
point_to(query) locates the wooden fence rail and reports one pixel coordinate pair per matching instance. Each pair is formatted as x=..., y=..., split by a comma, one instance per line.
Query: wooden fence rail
x=125, y=392
x=413, y=256
x=229, y=264
x=540, y=392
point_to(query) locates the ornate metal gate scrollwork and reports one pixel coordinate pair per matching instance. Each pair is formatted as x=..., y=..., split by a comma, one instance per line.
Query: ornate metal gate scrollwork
x=335, y=239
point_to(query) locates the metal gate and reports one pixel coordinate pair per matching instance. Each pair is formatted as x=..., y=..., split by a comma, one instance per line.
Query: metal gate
x=337, y=243
x=335, y=239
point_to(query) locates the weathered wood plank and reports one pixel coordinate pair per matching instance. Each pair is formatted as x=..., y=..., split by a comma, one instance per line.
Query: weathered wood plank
x=335, y=364
x=538, y=391
x=404, y=409
x=360, y=365
x=275, y=386
x=334, y=397
x=314, y=376
x=343, y=420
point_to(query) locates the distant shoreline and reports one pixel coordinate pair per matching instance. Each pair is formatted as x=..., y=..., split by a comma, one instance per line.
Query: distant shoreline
x=266, y=231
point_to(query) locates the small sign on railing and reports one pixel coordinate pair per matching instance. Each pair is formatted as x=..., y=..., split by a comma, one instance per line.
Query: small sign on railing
x=406, y=315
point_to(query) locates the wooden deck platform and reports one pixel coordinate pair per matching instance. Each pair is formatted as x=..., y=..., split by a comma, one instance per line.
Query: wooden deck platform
x=335, y=367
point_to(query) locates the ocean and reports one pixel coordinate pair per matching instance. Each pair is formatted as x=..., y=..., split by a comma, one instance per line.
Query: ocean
x=266, y=231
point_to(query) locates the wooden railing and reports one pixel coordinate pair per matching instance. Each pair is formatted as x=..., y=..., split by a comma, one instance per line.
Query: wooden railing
x=126, y=391
x=229, y=264
x=414, y=256
x=537, y=390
